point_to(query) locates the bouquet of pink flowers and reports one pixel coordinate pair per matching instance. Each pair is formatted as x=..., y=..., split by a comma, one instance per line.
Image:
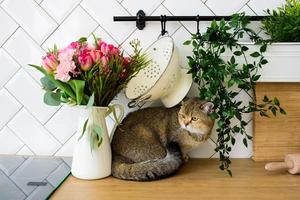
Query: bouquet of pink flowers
x=82, y=74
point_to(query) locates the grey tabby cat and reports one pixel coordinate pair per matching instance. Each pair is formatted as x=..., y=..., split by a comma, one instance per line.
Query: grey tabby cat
x=153, y=143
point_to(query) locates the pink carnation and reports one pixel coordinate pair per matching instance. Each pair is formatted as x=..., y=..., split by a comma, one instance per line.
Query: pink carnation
x=66, y=65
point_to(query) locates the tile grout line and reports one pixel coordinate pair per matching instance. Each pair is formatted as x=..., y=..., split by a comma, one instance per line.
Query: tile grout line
x=124, y=7
x=209, y=8
x=13, y=182
x=60, y=107
x=19, y=109
x=21, y=67
x=99, y=25
x=24, y=107
x=10, y=36
x=8, y=14
x=180, y=22
x=39, y=4
x=25, y=159
x=24, y=145
x=135, y=29
x=20, y=26
x=239, y=10
x=251, y=8
x=21, y=140
x=59, y=25
x=65, y=143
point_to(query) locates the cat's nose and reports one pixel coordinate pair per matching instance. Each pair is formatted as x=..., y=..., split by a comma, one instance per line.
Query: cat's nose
x=186, y=123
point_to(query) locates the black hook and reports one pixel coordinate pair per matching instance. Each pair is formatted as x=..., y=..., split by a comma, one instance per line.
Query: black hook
x=163, y=19
x=198, y=20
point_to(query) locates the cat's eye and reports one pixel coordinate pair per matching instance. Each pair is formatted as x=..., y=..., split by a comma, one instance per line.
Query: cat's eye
x=194, y=118
x=182, y=116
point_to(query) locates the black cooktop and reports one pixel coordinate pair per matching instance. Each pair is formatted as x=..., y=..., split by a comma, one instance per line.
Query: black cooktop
x=25, y=177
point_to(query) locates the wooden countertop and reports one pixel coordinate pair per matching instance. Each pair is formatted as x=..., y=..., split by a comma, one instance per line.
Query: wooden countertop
x=198, y=179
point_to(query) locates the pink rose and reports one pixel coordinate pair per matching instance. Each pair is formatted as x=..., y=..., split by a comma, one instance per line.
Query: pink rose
x=113, y=50
x=95, y=55
x=50, y=62
x=107, y=49
x=85, y=59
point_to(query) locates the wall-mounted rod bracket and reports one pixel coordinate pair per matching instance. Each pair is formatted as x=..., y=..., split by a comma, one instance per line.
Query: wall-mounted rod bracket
x=141, y=18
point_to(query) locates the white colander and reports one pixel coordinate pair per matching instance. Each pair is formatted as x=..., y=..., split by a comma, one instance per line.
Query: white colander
x=163, y=79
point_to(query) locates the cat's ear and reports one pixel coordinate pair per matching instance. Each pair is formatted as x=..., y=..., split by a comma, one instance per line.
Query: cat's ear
x=208, y=107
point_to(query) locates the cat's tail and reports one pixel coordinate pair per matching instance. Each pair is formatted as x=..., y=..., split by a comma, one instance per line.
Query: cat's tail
x=151, y=169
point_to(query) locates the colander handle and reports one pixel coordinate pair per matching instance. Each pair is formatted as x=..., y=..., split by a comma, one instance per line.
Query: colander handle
x=138, y=102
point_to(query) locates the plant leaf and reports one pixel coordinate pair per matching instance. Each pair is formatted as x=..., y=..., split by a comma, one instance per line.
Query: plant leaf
x=229, y=172
x=282, y=111
x=47, y=83
x=91, y=101
x=52, y=99
x=230, y=83
x=78, y=88
x=263, y=48
x=237, y=53
x=245, y=142
x=95, y=39
x=188, y=42
x=255, y=54
x=276, y=101
x=97, y=129
x=265, y=99
x=63, y=86
x=244, y=48
x=83, y=129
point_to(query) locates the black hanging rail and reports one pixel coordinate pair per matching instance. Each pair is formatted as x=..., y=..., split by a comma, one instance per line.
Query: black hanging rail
x=141, y=18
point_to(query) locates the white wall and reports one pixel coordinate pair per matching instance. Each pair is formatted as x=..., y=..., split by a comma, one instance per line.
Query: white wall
x=28, y=28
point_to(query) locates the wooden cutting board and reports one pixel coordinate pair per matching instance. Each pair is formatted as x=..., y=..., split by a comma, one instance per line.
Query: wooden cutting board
x=276, y=136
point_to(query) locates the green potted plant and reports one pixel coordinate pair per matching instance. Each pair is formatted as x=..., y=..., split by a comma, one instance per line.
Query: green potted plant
x=223, y=67
x=283, y=27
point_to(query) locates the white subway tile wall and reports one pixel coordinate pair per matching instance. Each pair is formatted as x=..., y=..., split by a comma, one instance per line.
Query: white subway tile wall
x=29, y=27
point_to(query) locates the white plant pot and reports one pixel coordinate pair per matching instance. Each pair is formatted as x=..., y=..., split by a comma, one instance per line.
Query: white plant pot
x=284, y=61
x=92, y=163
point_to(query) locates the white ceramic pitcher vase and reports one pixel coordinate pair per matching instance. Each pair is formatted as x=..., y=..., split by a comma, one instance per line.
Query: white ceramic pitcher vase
x=90, y=161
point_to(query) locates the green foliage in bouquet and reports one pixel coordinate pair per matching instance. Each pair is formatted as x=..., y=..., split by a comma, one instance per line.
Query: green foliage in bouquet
x=74, y=74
